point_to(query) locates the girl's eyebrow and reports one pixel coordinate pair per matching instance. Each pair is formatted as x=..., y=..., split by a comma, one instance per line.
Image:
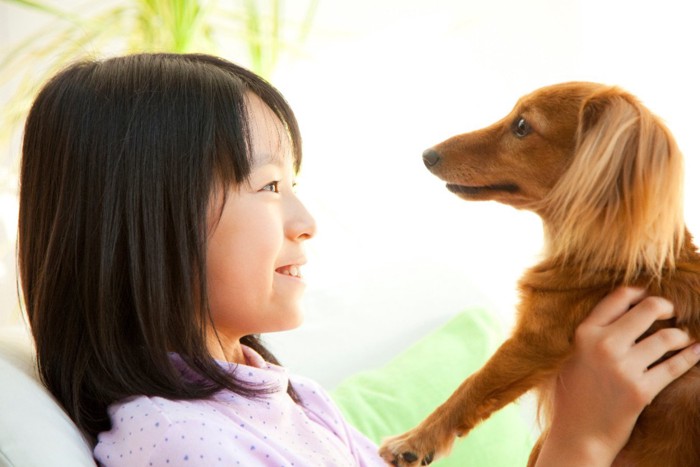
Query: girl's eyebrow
x=275, y=155
x=272, y=155
x=267, y=158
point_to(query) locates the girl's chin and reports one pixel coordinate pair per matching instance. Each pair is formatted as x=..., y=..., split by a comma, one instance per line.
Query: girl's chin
x=292, y=321
x=291, y=280
x=289, y=289
x=289, y=314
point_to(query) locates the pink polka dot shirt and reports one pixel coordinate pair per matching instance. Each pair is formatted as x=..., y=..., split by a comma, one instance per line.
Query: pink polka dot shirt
x=231, y=430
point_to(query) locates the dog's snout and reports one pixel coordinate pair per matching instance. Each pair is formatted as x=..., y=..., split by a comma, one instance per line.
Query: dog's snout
x=431, y=157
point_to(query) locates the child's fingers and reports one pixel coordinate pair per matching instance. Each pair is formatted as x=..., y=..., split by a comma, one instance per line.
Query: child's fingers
x=659, y=376
x=655, y=346
x=637, y=320
x=614, y=305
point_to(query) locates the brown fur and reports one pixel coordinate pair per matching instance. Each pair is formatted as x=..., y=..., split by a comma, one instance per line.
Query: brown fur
x=605, y=176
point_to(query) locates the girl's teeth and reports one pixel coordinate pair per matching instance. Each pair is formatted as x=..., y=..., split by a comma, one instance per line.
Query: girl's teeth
x=291, y=271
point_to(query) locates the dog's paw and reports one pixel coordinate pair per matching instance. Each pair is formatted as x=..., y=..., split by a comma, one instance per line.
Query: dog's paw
x=399, y=452
x=414, y=448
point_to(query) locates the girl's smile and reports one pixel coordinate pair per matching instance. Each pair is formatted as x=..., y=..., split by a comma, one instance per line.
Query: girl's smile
x=292, y=270
x=255, y=248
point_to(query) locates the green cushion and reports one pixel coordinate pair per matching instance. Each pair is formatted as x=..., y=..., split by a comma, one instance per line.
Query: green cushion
x=393, y=399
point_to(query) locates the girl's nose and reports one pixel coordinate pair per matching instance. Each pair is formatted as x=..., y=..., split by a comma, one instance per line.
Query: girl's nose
x=301, y=224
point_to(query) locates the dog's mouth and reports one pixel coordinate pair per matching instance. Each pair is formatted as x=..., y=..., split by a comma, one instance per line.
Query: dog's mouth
x=481, y=190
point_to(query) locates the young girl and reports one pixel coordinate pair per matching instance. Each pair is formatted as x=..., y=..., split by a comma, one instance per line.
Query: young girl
x=160, y=233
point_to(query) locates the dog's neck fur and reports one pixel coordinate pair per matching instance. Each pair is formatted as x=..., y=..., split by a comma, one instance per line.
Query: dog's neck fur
x=605, y=253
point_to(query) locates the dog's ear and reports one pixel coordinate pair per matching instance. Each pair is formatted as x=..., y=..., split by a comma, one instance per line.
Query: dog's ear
x=592, y=110
x=624, y=186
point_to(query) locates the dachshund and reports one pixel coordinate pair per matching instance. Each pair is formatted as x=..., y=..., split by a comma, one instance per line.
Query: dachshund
x=605, y=175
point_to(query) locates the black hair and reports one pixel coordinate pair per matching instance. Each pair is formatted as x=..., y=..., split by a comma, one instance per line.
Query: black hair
x=119, y=162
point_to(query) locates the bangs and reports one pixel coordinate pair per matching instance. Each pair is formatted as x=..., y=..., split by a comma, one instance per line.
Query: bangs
x=232, y=158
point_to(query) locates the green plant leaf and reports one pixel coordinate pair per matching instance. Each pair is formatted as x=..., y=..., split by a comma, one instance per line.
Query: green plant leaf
x=257, y=26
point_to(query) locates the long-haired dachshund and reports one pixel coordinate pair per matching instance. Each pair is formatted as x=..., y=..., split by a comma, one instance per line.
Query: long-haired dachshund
x=605, y=175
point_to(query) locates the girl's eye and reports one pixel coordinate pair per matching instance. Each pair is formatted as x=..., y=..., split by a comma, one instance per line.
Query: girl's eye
x=272, y=187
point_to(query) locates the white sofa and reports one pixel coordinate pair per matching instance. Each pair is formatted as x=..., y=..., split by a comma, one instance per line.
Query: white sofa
x=379, y=400
x=50, y=439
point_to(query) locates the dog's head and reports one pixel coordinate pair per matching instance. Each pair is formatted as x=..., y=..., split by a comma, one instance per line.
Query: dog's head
x=602, y=171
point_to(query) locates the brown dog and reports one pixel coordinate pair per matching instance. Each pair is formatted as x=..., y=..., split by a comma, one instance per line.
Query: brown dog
x=605, y=176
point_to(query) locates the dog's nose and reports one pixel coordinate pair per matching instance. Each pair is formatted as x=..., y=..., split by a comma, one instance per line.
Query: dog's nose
x=430, y=157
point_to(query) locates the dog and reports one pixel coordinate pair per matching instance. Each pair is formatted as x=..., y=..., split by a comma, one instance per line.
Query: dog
x=606, y=177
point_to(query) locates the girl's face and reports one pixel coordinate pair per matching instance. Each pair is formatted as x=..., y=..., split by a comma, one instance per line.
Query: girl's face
x=256, y=247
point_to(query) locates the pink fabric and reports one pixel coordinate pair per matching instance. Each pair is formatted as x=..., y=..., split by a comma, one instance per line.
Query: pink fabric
x=230, y=430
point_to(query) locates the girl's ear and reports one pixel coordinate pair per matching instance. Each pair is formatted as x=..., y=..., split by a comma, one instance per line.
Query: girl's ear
x=624, y=186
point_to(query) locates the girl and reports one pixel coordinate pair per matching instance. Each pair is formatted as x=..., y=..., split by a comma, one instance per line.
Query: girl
x=160, y=233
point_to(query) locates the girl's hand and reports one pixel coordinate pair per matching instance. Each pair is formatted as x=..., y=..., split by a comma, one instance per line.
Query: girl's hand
x=606, y=384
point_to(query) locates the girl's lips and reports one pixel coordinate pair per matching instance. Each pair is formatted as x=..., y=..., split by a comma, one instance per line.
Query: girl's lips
x=293, y=270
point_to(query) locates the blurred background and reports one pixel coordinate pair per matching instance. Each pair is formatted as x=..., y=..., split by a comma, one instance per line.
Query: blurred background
x=374, y=83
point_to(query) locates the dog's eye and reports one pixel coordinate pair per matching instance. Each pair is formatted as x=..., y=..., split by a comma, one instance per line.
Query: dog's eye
x=521, y=128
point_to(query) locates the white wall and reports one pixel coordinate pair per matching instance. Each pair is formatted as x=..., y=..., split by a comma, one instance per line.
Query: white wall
x=396, y=253
x=378, y=82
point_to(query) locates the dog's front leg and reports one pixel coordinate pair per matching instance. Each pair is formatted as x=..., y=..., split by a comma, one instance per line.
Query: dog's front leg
x=517, y=366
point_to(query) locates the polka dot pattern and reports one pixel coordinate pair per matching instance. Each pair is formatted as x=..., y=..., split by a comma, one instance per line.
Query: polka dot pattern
x=230, y=430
